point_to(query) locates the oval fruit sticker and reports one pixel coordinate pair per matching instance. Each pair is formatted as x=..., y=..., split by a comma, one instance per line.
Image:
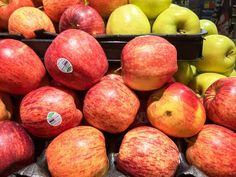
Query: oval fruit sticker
x=54, y=119
x=64, y=65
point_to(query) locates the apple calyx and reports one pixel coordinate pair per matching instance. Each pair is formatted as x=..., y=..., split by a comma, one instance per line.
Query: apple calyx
x=4, y=2
x=168, y=113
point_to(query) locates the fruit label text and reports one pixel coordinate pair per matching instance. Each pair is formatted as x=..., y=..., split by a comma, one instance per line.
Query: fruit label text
x=54, y=119
x=64, y=65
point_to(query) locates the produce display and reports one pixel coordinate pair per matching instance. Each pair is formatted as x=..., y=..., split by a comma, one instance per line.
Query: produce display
x=74, y=113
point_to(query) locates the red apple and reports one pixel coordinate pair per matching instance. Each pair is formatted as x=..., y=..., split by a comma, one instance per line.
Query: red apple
x=213, y=151
x=115, y=77
x=146, y=151
x=178, y=112
x=110, y=106
x=79, y=151
x=6, y=107
x=104, y=7
x=54, y=8
x=7, y=7
x=148, y=62
x=82, y=17
x=220, y=102
x=16, y=148
x=48, y=111
x=26, y=20
x=76, y=60
x=21, y=69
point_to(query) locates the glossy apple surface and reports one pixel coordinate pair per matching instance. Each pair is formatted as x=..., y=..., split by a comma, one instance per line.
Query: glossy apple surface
x=178, y=113
x=213, y=151
x=219, y=101
x=79, y=152
x=16, y=148
x=110, y=106
x=17, y=63
x=48, y=111
x=76, y=60
x=82, y=17
x=146, y=151
x=148, y=62
x=209, y=26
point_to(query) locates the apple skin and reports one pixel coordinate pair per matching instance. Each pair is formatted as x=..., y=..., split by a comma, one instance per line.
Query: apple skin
x=176, y=20
x=185, y=72
x=79, y=152
x=233, y=73
x=36, y=106
x=128, y=19
x=140, y=149
x=218, y=55
x=26, y=20
x=82, y=17
x=219, y=102
x=8, y=7
x=152, y=8
x=148, y=62
x=178, y=113
x=104, y=7
x=213, y=151
x=209, y=26
x=107, y=106
x=16, y=148
x=86, y=57
x=17, y=63
x=6, y=106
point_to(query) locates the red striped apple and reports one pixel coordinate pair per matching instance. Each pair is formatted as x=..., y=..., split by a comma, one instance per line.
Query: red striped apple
x=48, y=111
x=16, y=148
x=146, y=151
x=178, y=112
x=213, y=151
x=220, y=102
x=21, y=69
x=78, y=152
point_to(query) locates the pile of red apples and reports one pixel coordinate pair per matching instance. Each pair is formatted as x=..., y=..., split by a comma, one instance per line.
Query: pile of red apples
x=73, y=97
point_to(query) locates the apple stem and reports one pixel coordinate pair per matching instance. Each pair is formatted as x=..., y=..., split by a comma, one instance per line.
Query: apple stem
x=40, y=7
x=117, y=70
x=86, y=2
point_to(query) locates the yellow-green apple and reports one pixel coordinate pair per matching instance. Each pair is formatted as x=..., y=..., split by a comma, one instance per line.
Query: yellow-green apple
x=233, y=74
x=17, y=63
x=6, y=107
x=219, y=102
x=26, y=20
x=178, y=113
x=213, y=151
x=152, y=8
x=218, y=55
x=209, y=26
x=82, y=17
x=7, y=7
x=140, y=149
x=128, y=19
x=16, y=148
x=104, y=7
x=107, y=106
x=176, y=20
x=185, y=72
x=76, y=59
x=201, y=82
x=48, y=111
x=79, y=151
x=148, y=62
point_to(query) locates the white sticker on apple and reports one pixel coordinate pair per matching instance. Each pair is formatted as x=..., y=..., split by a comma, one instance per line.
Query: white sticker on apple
x=64, y=65
x=54, y=119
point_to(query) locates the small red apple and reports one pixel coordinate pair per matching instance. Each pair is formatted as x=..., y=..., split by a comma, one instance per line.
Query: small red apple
x=7, y=7
x=148, y=62
x=146, y=151
x=76, y=60
x=79, y=151
x=16, y=148
x=178, y=112
x=213, y=151
x=21, y=70
x=110, y=106
x=48, y=111
x=82, y=17
x=220, y=102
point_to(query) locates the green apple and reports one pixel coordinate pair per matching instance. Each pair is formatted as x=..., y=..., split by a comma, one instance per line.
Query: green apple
x=177, y=20
x=152, y=8
x=209, y=26
x=185, y=73
x=128, y=19
x=218, y=55
x=201, y=82
x=233, y=74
